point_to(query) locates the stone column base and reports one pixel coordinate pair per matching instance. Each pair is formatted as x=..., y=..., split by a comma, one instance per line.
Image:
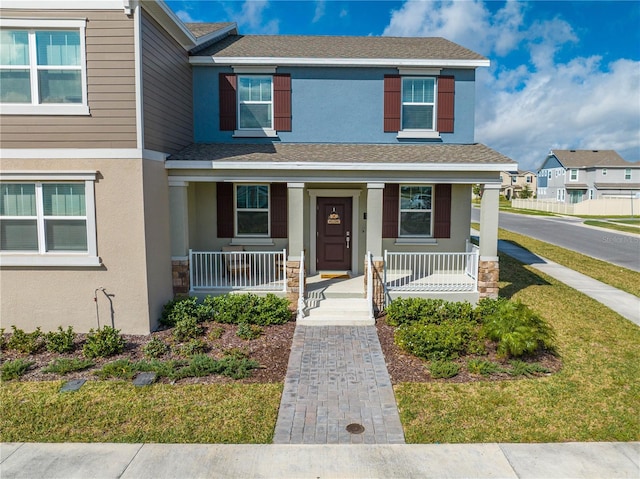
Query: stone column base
x=488, y=277
x=180, y=277
x=378, y=285
x=293, y=282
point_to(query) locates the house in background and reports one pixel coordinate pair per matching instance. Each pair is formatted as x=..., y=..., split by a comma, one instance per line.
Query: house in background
x=143, y=158
x=514, y=183
x=577, y=175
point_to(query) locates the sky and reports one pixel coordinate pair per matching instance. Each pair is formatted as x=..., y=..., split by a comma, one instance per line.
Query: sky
x=563, y=74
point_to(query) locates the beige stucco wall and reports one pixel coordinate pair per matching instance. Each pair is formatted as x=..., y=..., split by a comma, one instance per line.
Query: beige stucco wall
x=49, y=297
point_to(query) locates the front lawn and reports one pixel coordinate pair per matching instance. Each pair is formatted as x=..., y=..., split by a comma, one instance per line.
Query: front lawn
x=595, y=397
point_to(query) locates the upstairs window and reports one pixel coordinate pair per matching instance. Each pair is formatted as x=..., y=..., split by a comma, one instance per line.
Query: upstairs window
x=573, y=174
x=252, y=210
x=255, y=106
x=415, y=210
x=627, y=173
x=529, y=179
x=604, y=172
x=418, y=103
x=42, y=70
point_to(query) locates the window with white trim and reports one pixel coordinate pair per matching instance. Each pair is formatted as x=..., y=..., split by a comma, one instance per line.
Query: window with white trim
x=252, y=210
x=573, y=174
x=255, y=102
x=627, y=173
x=47, y=223
x=529, y=179
x=416, y=210
x=418, y=103
x=42, y=67
x=604, y=172
x=590, y=193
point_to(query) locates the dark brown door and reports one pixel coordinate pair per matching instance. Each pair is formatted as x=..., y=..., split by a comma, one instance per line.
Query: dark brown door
x=334, y=240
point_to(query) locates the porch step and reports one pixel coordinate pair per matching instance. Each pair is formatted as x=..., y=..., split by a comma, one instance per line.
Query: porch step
x=337, y=312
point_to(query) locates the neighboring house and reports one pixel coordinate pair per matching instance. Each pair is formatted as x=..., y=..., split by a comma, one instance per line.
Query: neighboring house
x=143, y=158
x=576, y=175
x=515, y=182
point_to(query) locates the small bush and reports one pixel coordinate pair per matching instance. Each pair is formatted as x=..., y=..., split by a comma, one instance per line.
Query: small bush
x=517, y=329
x=14, y=369
x=121, y=369
x=3, y=340
x=27, y=343
x=487, y=307
x=249, y=308
x=443, y=369
x=248, y=331
x=486, y=368
x=435, y=341
x=103, y=342
x=187, y=328
x=191, y=348
x=215, y=333
x=67, y=365
x=408, y=310
x=238, y=353
x=179, y=309
x=521, y=368
x=272, y=310
x=155, y=348
x=60, y=341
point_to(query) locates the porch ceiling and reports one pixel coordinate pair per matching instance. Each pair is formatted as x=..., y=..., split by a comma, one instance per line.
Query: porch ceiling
x=338, y=156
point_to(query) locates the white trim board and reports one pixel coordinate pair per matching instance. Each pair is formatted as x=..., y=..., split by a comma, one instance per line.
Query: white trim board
x=80, y=153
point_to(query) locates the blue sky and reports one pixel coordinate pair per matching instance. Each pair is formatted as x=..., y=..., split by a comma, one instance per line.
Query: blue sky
x=563, y=74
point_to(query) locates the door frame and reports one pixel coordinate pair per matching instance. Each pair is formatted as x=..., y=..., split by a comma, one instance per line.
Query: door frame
x=355, y=217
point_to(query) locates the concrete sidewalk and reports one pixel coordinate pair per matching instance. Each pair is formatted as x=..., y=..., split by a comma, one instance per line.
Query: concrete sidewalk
x=191, y=461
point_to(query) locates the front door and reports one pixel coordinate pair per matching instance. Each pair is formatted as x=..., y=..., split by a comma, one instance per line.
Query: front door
x=334, y=234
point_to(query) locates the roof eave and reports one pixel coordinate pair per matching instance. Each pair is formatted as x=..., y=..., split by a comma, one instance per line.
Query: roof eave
x=340, y=62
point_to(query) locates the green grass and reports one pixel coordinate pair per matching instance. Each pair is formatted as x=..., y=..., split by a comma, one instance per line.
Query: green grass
x=613, y=226
x=629, y=222
x=595, y=397
x=613, y=275
x=113, y=411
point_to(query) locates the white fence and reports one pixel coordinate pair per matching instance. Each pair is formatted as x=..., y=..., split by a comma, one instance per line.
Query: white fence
x=601, y=207
x=429, y=272
x=238, y=270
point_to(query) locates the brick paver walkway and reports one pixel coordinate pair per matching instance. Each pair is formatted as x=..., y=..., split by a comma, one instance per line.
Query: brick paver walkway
x=336, y=377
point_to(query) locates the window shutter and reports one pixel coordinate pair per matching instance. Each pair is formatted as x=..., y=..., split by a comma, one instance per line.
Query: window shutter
x=278, y=210
x=446, y=94
x=442, y=216
x=227, y=97
x=392, y=104
x=390, y=210
x=225, y=209
x=282, y=102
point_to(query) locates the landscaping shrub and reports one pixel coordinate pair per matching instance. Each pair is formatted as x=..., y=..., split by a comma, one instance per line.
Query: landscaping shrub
x=179, y=309
x=248, y=331
x=155, y=348
x=443, y=369
x=14, y=369
x=27, y=343
x=408, y=310
x=191, y=348
x=3, y=340
x=522, y=368
x=517, y=329
x=103, y=342
x=60, y=341
x=487, y=307
x=215, y=333
x=481, y=366
x=67, y=365
x=202, y=365
x=249, y=308
x=187, y=328
x=120, y=368
x=435, y=341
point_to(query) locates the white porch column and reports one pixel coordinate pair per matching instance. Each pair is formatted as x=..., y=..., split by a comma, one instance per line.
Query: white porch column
x=179, y=225
x=295, y=220
x=488, y=266
x=374, y=219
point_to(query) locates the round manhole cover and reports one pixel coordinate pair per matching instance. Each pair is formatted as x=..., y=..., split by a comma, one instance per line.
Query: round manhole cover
x=355, y=428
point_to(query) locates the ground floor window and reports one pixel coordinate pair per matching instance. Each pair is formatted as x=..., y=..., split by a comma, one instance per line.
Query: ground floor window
x=252, y=210
x=416, y=210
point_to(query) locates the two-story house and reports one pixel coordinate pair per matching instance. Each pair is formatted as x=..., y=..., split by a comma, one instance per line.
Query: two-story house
x=143, y=157
x=514, y=183
x=577, y=175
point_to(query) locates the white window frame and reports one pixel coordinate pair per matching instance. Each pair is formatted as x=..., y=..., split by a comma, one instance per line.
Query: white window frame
x=255, y=132
x=36, y=108
x=627, y=174
x=590, y=193
x=419, y=132
x=529, y=179
x=42, y=257
x=573, y=174
x=604, y=172
x=254, y=210
x=401, y=210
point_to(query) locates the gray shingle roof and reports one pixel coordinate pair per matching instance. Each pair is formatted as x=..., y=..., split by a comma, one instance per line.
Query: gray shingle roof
x=202, y=29
x=586, y=158
x=617, y=186
x=342, y=153
x=298, y=46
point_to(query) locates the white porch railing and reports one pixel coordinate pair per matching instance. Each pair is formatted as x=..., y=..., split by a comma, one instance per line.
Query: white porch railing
x=301, y=293
x=431, y=272
x=238, y=270
x=370, y=285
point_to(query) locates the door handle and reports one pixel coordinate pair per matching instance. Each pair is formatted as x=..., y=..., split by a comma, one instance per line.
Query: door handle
x=348, y=239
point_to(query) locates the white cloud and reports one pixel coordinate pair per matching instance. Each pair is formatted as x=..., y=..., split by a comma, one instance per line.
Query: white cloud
x=541, y=104
x=251, y=17
x=185, y=16
x=320, y=9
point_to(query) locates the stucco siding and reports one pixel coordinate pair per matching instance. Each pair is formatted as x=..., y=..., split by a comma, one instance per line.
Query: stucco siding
x=49, y=297
x=167, y=94
x=110, y=90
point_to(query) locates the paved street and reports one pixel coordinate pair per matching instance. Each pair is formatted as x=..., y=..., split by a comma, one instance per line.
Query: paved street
x=615, y=248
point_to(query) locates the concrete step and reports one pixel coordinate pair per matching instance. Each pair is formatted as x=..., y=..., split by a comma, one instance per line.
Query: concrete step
x=337, y=312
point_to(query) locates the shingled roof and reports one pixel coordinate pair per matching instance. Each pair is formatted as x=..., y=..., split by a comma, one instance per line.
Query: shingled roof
x=343, y=153
x=202, y=29
x=342, y=47
x=590, y=158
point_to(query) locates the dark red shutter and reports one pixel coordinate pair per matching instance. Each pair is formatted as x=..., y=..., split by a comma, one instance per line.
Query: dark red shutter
x=442, y=214
x=227, y=96
x=390, y=210
x=225, y=209
x=392, y=103
x=279, y=210
x=282, y=102
x=446, y=94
